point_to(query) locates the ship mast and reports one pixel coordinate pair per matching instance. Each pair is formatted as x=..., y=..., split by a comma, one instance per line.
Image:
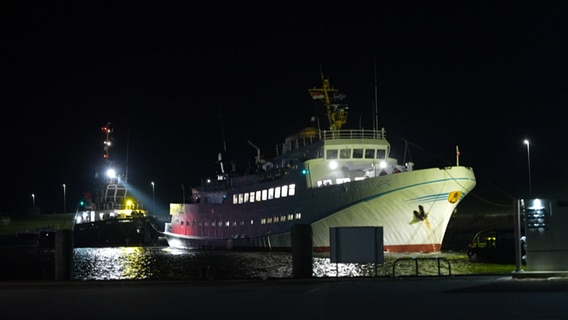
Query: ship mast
x=336, y=112
x=107, y=130
x=115, y=192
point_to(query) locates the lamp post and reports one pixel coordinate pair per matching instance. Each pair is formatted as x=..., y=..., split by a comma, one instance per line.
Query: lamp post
x=153, y=199
x=529, y=164
x=64, y=201
x=33, y=200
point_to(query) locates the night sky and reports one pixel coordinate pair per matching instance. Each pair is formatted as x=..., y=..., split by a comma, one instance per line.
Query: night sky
x=181, y=82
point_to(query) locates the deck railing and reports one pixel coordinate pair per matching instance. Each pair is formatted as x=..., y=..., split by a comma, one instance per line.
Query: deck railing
x=298, y=142
x=353, y=134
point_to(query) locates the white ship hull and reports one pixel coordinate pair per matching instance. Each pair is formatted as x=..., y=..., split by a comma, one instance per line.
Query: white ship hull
x=387, y=201
x=393, y=207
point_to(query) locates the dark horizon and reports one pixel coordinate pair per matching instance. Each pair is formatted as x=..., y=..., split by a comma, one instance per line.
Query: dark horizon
x=182, y=82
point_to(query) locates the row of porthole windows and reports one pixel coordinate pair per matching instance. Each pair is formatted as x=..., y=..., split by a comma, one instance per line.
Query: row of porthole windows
x=282, y=218
x=197, y=223
x=265, y=194
x=356, y=153
x=327, y=182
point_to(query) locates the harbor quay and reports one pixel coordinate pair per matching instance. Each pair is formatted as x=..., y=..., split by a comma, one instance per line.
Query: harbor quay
x=463, y=297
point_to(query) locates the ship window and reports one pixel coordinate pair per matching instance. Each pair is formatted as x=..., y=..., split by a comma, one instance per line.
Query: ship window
x=251, y=221
x=292, y=189
x=227, y=224
x=269, y=220
x=235, y=199
x=345, y=153
x=381, y=154
x=234, y=223
x=358, y=153
x=369, y=153
x=246, y=198
x=264, y=192
x=282, y=218
x=206, y=224
x=298, y=216
x=252, y=196
x=240, y=198
x=284, y=191
x=331, y=154
x=277, y=192
x=270, y=193
x=276, y=219
x=342, y=180
x=290, y=217
x=257, y=196
x=263, y=221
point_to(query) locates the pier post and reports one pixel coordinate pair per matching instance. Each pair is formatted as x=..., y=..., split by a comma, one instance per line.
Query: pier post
x=63, y=255
x=302, y=250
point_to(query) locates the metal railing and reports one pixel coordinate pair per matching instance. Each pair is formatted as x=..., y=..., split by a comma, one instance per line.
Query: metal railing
x=416, y=260
x=298, y=142
x=353, y=134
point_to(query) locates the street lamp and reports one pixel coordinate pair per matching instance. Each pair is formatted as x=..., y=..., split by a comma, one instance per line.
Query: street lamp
x=153, y=199
x=33, y=200
x=529, y=164
x=64, y=202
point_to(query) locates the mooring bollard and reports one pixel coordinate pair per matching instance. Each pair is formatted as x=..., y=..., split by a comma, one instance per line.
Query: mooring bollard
x=302, y=251
x=63, y=255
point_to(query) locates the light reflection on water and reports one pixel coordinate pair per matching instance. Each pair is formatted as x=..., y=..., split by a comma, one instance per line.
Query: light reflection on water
x=165, y=263
x=394, y=264
x=129, y=263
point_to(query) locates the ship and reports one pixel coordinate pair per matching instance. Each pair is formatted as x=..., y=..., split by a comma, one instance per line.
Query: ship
x=110, y=216
x=323, y=178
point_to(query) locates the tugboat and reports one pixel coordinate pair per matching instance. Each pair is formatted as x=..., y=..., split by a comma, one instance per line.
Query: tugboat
x=111, y=217
x=324, y=178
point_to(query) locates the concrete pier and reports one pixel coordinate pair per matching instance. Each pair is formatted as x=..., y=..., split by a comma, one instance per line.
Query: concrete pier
x=454, y=297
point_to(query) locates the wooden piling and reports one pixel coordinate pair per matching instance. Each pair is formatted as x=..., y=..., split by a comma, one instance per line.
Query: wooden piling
x=63, y=255
x=302, y=251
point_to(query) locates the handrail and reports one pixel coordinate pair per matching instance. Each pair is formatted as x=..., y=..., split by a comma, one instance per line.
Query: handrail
x=297, y=142
x=415, y=259
x=353, y=134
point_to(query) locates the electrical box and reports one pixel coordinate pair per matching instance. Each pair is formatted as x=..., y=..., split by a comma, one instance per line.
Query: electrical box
x=356, y=245
x=546, y=232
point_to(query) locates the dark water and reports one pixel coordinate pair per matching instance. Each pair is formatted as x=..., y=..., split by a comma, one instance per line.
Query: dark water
x=137, y=263
x=164, y=263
